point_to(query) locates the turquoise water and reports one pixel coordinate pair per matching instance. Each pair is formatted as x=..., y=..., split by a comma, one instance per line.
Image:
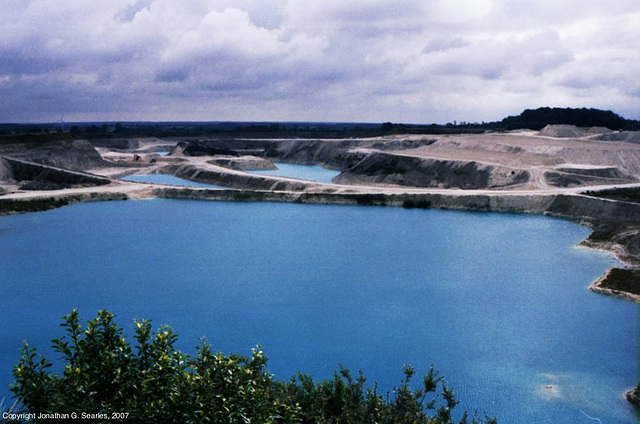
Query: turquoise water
x=167, y=179
x=304, y=172
x=497, y=303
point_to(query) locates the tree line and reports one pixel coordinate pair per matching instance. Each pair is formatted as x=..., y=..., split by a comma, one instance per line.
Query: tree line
x=537, y=119
x=534, y=119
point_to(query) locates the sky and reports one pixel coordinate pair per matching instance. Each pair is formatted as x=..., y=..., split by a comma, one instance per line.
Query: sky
x=426, y=61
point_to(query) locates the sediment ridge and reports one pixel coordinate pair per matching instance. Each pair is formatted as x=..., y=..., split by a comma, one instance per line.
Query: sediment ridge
x=577, y=207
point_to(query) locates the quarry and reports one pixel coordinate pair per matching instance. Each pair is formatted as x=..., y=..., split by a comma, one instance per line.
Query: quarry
x=591, y=175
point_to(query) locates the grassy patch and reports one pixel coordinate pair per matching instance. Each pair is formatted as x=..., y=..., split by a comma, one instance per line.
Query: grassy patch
x=21, y=206
x=623, y=194
x=411, y=203
x=623, y=279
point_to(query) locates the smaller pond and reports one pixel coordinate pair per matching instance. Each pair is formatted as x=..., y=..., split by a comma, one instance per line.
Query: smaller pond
x=167, y=179
x=303, y=172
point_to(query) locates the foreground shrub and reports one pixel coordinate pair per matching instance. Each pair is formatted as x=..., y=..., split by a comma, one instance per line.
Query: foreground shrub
x=105, y=379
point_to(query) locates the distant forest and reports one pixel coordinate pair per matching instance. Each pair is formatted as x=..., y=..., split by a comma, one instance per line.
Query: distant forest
x=534, y=119
x=539, y=118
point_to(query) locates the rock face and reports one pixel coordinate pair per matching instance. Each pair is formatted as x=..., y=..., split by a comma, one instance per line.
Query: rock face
x=5, y=170
x=69, y=154
x=332, y=153
x=382, y=168
x=36, y=176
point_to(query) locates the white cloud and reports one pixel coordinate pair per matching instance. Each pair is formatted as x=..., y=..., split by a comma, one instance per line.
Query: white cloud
x=368, y=60
x=460, y=11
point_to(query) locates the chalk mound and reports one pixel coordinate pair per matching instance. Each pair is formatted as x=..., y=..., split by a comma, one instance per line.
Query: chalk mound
x=598, y=130
x=624, y=136
x=562, y=131
x=75, y=155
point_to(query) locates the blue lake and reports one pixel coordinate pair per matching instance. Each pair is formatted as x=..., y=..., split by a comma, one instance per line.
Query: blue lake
x=304, y=172
x=167, y=179
x=498, y=303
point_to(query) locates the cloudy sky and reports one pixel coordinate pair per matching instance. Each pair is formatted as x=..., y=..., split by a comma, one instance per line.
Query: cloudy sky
x=318, y=60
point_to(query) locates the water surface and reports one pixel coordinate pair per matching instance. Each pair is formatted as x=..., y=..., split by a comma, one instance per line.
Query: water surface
x=167, y=179
x=303, y=172
x=497, y=303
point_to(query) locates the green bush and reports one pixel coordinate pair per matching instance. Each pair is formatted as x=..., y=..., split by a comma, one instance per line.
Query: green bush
x=153, y=382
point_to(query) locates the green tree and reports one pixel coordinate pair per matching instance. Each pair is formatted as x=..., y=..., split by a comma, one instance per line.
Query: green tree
x=387, y=127
x=153, y=382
